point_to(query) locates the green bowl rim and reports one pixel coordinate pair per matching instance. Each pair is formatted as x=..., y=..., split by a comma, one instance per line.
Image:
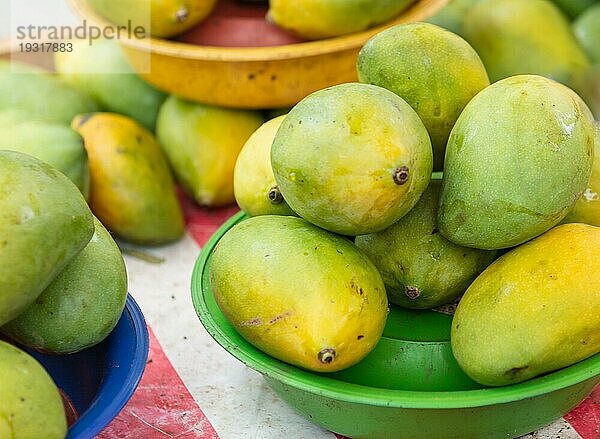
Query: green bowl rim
x=355, y=393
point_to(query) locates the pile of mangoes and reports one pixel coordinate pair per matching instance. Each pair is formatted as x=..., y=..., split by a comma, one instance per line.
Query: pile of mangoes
x=347, y=216
x=63, y=288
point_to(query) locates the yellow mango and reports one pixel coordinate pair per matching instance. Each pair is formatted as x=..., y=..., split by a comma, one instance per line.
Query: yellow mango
x=131, y=188
x=534, y=310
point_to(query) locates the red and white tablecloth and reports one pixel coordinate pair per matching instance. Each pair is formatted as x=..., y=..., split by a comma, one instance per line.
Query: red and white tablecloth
x=193, y=389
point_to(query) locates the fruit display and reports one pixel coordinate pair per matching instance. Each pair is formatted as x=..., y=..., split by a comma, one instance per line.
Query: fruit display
x=424, y=224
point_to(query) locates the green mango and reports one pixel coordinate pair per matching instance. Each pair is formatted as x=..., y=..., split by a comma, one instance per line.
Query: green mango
x=51, y=142
x=588, y=87
x=41, y=95
x=101, y=70
x=31, y=406
x=452, y=15
x=534, y=310
x=518, y=158
x=317, y=19
x=352, y=159
x=81, y=306
x=587, y=32
x=202, y=144
x=161, y=18
x=44, y=223
x=540, y=43
x=299, y=293
x=587, y=208
x=574, y=7
x=254, y=184
x=435, y=71
x=420, y=268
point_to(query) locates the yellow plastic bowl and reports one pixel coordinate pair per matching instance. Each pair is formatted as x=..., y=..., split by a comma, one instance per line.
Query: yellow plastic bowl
x=252, y=77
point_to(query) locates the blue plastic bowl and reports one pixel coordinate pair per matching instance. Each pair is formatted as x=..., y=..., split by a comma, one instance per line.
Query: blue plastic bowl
x=99, y=381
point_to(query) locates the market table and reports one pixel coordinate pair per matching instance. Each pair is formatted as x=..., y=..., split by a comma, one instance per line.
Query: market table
x=193, y=389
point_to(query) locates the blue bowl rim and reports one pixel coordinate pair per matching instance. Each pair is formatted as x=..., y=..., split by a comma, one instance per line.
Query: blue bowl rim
x=97, y=417
x=354, y=393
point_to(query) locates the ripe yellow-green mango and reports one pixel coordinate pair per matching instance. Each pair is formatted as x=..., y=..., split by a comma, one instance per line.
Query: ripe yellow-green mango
x=587, y=32
x=317, y=19
x=54, y=143
x=31, y=406
x=534, y=310
x=518, y=158
x=160, y=18
x=202, y=143
x=254, y=184
x=352, y=159
x=435, y=71
x=299, y=293
x=574, y=7
x=587, y=208
x=516, y=37
x=131, y=190
x=41, y=95
x=44, y=223
x=420, y=268
x=81, y=306
x=452, y=15
x=100, y=70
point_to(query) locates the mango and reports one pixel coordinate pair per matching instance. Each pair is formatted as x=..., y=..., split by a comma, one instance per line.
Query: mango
x=202, y=144
x=132, y=191
x=324, y=315
x=534, y=310
x=420, y=268
x=352, y=158
x=81, y=306
x=587, y=208
x=317, y=19
x=160, y=18
x=100, y=70
x=41, y=95
x=31, y=406
x=435, y=71
x=518, y=158
x=254, y=184
x=51, y=142
x=588, y=87
x=540, y=43
x=587, y=32
x=574, y=7
x=452, y=15
x=44, y=223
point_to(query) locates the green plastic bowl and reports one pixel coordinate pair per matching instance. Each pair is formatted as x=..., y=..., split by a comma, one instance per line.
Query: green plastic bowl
x=409, y=387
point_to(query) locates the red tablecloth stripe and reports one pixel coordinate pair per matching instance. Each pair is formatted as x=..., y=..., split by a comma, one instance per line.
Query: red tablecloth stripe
x=162, y=406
